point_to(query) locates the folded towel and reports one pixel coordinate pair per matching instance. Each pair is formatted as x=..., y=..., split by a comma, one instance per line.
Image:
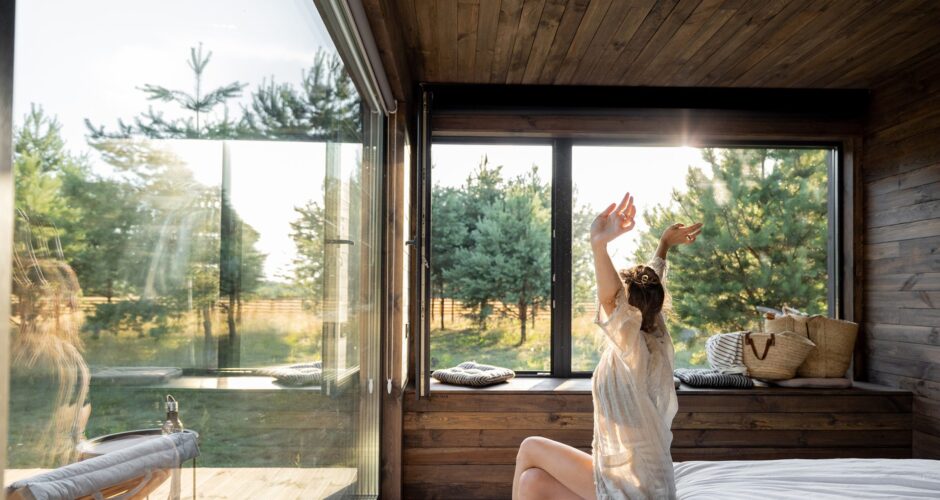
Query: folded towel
x=725, y=352
x=706, y=377
x=90, y=476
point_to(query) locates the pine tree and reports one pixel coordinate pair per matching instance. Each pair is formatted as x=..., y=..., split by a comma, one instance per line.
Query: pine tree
x=200, y=124
x=508, y=261
x=307, y=234
x=448, y=234
x=324, y=107
x=764, y=240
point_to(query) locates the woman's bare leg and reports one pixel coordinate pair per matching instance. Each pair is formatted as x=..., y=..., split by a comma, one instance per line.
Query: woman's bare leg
x=535, y=483
x=570, y=467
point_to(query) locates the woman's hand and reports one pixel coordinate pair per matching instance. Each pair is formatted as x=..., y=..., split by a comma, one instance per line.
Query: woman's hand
x=680, y=234
x=614, y=221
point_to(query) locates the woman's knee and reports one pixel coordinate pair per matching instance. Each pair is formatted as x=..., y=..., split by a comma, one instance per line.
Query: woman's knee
x=533, y=483
x=530, y=448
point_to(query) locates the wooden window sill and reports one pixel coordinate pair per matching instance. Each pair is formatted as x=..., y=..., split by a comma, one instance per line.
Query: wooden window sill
x=551, y=385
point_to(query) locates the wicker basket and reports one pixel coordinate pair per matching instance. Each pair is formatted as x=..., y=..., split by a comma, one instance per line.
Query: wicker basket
x=775, y=356
x=834, y=339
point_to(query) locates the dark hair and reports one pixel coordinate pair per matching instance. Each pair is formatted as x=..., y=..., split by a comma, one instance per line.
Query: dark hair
x=646, y=293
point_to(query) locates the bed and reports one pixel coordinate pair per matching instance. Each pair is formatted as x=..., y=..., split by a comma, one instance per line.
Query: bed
x=808, y=479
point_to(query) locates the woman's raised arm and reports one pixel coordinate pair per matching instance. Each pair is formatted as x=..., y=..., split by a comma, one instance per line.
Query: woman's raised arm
x=614, y=221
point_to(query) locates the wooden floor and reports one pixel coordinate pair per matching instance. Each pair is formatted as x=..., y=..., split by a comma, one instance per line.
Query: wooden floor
x=238, y=483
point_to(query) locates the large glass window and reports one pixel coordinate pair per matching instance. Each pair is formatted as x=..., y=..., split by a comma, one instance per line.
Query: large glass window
x=197, y=207
x=766, y=242
x=491, y=273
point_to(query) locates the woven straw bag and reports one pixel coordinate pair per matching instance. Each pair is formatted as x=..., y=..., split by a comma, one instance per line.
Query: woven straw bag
x=775, y=356
x=834, y=339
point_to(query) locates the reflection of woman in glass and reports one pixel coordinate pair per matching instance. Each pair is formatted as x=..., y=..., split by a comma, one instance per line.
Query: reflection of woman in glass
x=46, y=348
x=634, y=395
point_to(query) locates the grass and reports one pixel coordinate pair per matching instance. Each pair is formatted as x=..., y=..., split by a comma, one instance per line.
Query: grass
x=267, y=338
x=498, y=344
x=238, y=428
x=262, y=428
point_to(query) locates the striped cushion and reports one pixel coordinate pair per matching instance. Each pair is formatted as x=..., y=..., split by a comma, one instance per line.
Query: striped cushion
x=473, y=374
x=725, y=352
x=706, y=377
x=302, y=374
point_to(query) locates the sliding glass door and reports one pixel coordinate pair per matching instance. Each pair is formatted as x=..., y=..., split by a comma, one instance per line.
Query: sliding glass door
x=197, y=213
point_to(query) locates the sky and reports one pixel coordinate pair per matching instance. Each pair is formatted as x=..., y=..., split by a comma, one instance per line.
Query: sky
x=86, y=59
x=600, y=175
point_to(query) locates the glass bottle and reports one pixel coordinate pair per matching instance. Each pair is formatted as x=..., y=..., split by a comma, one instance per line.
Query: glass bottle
x=172, y=423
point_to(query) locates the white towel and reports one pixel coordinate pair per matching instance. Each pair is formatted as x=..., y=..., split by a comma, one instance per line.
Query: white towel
x=725, y=352
x=89, y=477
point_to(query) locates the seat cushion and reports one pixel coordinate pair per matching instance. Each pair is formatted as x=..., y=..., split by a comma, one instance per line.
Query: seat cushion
x=473, y=374
x=298, y=375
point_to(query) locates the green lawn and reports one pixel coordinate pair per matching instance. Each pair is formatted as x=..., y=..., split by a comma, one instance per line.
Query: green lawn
x=239, y=428
x=498, y=344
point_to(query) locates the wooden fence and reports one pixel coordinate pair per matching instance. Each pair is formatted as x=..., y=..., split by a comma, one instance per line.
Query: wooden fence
x=455, y=311
x=280, y=306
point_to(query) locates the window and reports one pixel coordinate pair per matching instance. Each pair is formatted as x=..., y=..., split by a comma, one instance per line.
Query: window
x=764, y=242
x=201, y=197
x=767, y=242
x=491, y=276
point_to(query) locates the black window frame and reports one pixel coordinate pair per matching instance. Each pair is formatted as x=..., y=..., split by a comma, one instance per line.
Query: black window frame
x=712, y=117
x=562, y=186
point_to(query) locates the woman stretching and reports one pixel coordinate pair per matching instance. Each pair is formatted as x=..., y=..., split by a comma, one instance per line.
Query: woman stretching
x=632, y=387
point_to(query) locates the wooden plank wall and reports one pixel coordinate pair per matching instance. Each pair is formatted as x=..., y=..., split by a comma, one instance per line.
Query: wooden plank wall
x=901, y=173
x=463, y=444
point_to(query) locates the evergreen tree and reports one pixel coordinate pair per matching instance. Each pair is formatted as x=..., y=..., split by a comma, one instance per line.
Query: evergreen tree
x=764, y=240
x=307, y=234
x=42, y=163
x=199, y=124
x=509, y=259
x=326, y=106
x=448, y=234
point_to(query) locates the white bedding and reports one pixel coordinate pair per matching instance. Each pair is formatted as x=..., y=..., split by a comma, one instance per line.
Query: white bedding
x=808, y=479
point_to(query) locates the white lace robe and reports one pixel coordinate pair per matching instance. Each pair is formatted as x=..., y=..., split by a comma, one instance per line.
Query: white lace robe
x=634, y=404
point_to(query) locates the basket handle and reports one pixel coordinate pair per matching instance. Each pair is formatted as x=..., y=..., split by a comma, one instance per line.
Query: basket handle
x=750, y=342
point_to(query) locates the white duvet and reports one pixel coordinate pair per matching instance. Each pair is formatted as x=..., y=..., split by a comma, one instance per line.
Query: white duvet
x=808, y=479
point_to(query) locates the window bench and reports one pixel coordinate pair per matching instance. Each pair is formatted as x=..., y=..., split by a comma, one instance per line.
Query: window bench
x=465, y=439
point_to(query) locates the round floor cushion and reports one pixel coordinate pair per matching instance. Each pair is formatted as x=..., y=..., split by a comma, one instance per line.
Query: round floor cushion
x=473, y=374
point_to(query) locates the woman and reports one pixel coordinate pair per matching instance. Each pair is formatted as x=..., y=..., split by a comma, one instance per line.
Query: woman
x=633, y=391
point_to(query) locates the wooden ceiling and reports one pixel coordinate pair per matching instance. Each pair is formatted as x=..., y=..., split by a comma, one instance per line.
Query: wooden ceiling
x=713, y=43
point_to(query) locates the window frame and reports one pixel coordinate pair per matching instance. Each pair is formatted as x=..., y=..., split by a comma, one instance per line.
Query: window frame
x=562, y=189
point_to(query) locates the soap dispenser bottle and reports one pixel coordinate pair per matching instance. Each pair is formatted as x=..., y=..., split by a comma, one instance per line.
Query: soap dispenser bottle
x=172, y=423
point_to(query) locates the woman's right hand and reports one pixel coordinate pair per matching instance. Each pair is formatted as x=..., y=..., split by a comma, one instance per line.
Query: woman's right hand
x=614, y=221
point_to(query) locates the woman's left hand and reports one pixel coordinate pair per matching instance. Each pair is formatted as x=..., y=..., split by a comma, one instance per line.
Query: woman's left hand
x=614, y=221
x=680, y=234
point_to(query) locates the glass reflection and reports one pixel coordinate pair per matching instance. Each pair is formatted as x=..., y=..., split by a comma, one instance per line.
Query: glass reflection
x=213, y=238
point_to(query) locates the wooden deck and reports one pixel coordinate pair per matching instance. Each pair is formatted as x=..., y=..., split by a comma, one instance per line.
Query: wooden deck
x=239, y=483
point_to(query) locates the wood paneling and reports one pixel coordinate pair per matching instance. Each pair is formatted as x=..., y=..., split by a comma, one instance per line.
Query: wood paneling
x=397, y=205
x=902, y=242
x=728, y=43
x=463, y=443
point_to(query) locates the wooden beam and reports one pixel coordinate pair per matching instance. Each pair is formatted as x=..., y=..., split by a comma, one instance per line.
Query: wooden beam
x=384, y=21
